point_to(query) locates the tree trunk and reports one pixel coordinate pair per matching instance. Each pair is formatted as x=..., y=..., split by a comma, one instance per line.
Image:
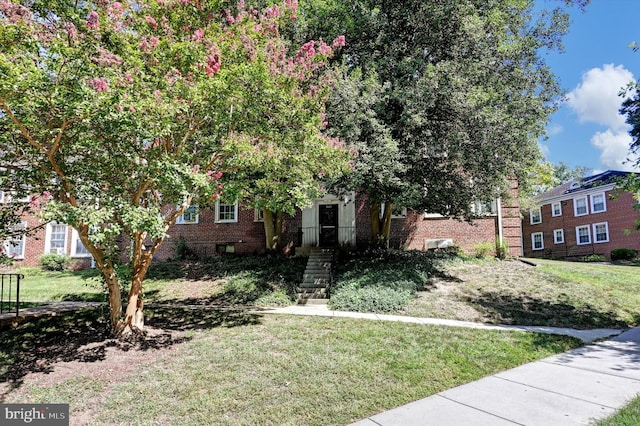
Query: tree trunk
x=273, y=229
x=381, y=226
x=133, y=321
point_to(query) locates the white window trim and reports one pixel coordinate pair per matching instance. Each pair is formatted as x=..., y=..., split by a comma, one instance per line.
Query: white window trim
x=555, y=239
x=181, y=221
x=575, y=206
x=604, y=202
x=533, y=241
x=553, y=211
x=75, y=237
x=578, y=234
x=8, y=245
x=402, y=215
x=258, y=215
x=235, y=214
x=595, y=235
x=47, y=238
x=539, y=210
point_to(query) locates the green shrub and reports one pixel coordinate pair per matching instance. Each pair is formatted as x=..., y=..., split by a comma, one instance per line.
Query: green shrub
x=181, y=251
x=623, y=254
x=481, y=250
x=374, y=299
x=54, y=262
x=593, y=258
x=502, y=249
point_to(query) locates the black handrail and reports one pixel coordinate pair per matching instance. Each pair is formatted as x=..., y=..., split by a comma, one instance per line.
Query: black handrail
x=11, y=281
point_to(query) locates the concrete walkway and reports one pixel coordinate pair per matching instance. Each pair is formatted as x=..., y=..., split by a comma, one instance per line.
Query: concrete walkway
x=323, y=311
x=50, y=309
x=573, y=388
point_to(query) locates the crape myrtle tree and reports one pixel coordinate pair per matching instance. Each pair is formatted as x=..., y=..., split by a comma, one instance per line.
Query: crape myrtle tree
x=452, y=97
x=121, y=114
x=280, y=160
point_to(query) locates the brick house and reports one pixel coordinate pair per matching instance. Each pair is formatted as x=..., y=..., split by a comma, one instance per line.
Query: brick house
x=345, y=221
x=330, y=221
x=581, y=218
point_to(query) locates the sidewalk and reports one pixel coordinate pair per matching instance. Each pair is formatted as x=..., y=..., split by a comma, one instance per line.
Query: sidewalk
x=50, y=309
x=573, y=388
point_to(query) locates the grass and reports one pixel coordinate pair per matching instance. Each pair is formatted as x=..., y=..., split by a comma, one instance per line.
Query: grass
x=628, y=415
x=240, y=368
x=39, y=285
x=555, y=293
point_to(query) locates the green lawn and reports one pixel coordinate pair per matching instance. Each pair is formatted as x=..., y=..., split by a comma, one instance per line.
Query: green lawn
x=626, y=416
x=555, y=293
x=232, y=367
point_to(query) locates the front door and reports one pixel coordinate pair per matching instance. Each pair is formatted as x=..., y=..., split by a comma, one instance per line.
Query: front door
x=328, y=225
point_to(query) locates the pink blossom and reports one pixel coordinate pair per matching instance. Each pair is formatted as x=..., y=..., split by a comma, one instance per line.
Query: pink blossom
x=106, y=58
x=198, y=34
x=132, y=109
x=151, y=21
x=213, y=175
x=258, y=27
x=325, y=49
x=340, y=41
x=195, y=169
x=153, y=41
x=15, y=12
x=229, y=17
x=93, y=20
x=99, y=84
x=72, y=31
x=128, y=77
x=213, y=64
x=115, y=10
x=46, y=194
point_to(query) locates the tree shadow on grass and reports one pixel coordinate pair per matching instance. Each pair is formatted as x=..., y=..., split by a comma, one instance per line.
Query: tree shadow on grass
x=37, y=345
x=527, y=310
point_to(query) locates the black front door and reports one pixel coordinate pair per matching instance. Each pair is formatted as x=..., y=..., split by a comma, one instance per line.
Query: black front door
x=328, y=225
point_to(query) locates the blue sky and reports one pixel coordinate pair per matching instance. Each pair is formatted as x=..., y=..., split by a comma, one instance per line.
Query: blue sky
x=587, y=129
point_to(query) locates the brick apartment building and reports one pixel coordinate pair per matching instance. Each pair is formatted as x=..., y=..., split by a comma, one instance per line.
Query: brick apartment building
x=330, y=221
x=581, y=218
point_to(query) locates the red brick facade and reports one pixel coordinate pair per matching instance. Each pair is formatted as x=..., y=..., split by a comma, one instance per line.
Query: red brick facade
x=207, y=237
x=601, y=229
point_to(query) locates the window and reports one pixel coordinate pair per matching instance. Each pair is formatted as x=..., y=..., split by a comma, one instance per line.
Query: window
x=15, y=246
x=397, y=213
x=258, y=215
x=77, y=248
x=556, y=209
x=56, y=238
x=537, y=241
x=190, y=216
x=583, y=235
x=598, y=203
x=558, y=236
x=601, y=232
x=484, y=209
x=226, y=213
x=580, y=206
x=535, y=216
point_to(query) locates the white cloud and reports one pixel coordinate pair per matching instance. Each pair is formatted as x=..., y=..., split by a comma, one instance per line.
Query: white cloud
x=597, y=100
x=615, y=149
x=554, y=129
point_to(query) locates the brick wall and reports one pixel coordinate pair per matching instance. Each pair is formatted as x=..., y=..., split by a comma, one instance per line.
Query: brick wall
x=619, y=215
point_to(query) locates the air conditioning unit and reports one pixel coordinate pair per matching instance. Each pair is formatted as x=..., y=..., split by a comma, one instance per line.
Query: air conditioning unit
x=432, y=243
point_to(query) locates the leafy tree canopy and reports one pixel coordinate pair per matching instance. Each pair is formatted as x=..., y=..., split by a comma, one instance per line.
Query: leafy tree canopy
x=121, y=114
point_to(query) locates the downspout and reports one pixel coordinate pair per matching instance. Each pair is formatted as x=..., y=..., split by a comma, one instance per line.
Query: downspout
x=499, y=206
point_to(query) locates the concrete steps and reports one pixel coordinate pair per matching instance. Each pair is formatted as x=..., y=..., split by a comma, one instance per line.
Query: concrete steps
x=314, y=288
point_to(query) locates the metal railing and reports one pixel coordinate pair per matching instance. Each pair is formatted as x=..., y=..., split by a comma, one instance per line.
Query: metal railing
x=310, y=236
x=10, y=287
